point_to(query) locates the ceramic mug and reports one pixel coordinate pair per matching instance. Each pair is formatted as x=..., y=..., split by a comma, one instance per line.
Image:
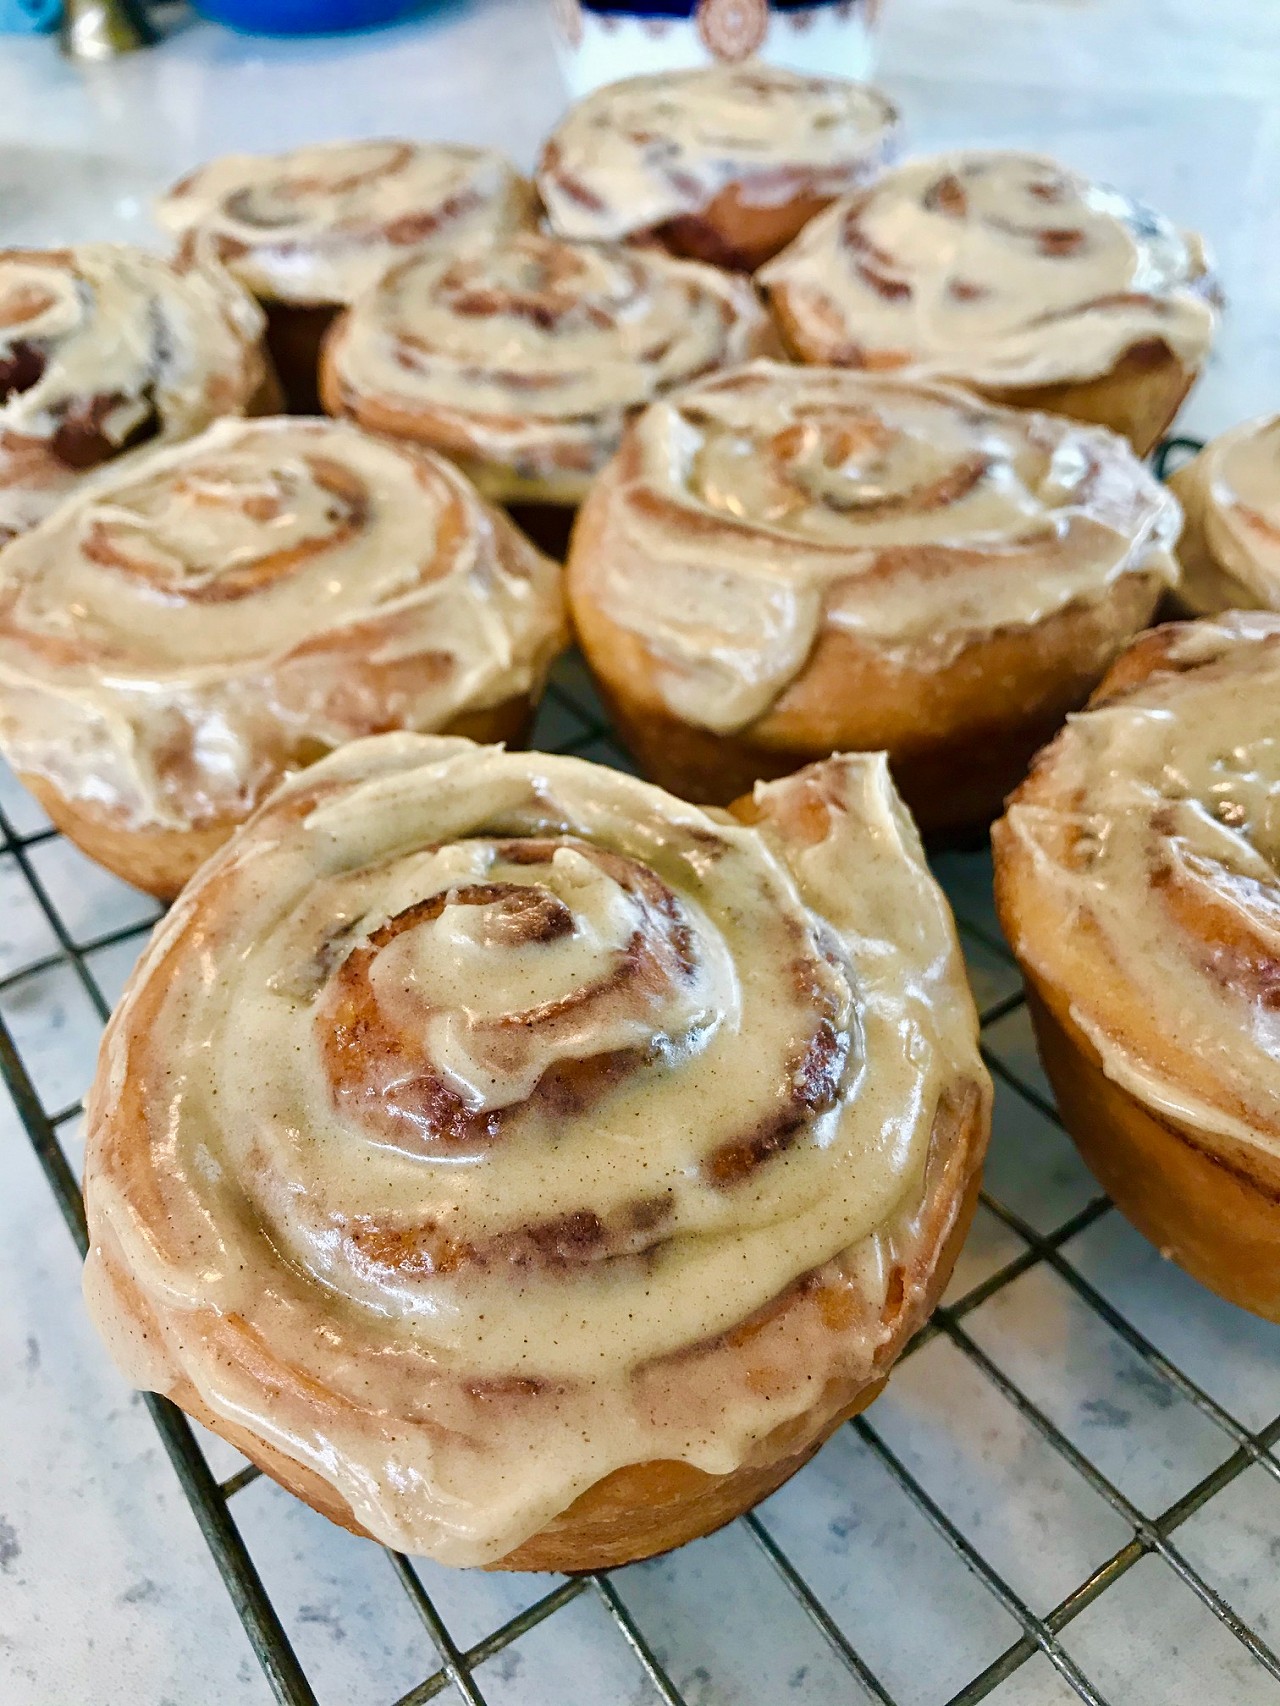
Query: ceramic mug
x=602, y=40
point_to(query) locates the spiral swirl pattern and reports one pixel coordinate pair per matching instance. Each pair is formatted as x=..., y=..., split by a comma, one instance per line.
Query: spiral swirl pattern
x=524, y=361
x=755, y=509
x=233, y=606
x=1150, y=832
x=525, y=1099
x=1230, y=494
x=103, y=347
x=1000, y=269
x=320, y=224
x=640, y=153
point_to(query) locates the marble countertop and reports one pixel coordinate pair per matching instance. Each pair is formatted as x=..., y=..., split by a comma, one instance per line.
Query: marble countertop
x=107, y=1595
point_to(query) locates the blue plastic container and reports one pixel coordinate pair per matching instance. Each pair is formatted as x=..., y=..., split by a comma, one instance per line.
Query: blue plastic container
x=304, y=17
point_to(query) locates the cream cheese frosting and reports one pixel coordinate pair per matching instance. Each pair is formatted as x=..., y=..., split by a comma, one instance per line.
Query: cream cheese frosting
x=756, y=508
x=643, y=151
x=525, y=359
x=207, y=615
x=520, y=1086
x=1231, y=495
x=102, y=346
x=1151, y=829
x=997, y=268
x=320, y=224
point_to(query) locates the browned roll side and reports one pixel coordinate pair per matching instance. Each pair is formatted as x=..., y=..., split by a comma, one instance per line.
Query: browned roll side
x=723, y=164
x=1011, y=275
x=784, y=562
x=246, y=602
x=1136, y=881
x=306, y=231
x=722, y=1139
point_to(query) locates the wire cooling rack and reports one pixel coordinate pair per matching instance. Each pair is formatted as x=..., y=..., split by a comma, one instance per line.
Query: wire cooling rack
x=1070, y=1490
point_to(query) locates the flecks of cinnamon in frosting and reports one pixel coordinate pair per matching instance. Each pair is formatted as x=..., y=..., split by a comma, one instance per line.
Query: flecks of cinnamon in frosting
x=104, y=347
x=1153, y=826
x=526, y=358
x=214, y=613
x=522, y=1082
x=320, y=224
x=1002, y=269
x=1231, y=495
x=758, y=507
x=645, y=150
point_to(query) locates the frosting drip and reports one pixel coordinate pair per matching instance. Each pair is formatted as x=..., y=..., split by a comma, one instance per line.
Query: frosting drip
x=1157, y=830
x=640, y=152
x=997, y=268
x=533, y=353
x=1231, y=495
x=758, y=507
x=323, y=223
x=214, y=612
x=522, y=1085
x=103, y=347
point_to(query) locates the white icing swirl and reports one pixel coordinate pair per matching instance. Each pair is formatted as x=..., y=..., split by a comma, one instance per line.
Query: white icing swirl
x=758, y=507
x=1231, y=495
x=209, y=615
x=320, y=224
x=519, y=1086
x=524, y=360
x=1002, y=269
x=1146, y=850
x=640, y=152
x=103, y=346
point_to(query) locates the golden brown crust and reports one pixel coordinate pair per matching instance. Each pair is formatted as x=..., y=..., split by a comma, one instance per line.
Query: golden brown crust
x=1138, y=398
x=959, y=735
x=735, y=232
x=162, y=861
x=1209, y=1200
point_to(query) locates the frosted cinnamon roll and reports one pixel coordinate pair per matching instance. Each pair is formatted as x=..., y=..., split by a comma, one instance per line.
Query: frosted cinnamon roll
x=1013, y=275
x=550, y=1165
x=103, y=348
x=785, y=561
x=725, y=163
x=308, y=230
x=1230, y=545
x=220, y=613
x=523, y=361
x=1137, y=880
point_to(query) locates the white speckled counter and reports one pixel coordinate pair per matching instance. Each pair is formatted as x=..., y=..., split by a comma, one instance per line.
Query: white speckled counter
x=1081, y=1387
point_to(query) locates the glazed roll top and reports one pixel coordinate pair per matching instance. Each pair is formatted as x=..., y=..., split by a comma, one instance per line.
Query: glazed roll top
x=1231, y=495
x=638, y=153
x=529, y=356
x=752, y=510
x=1002, y=269
x=538, y=1124
x=1145, y=851
x=216, y=611
x=103, y=347
x=320, y=224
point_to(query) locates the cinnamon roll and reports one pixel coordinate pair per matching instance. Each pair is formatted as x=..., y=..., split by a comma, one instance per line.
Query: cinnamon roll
x=527, y=1168
x=307, y=231
x=1136, y=878
x=216, y=614
x=1012, y=275
x=725, y=163
x=104, y=347
x=524, y=360
x=785, y=561
x=1230, y=545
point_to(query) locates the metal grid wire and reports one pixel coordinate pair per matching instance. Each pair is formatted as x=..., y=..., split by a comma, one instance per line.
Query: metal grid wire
x=572, y=722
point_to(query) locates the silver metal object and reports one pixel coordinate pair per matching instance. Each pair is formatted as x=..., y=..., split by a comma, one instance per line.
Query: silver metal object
x=103, y=29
